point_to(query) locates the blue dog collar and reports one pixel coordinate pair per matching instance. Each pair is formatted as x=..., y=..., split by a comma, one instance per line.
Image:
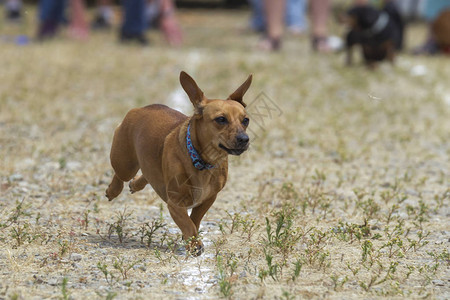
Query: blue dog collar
x=197, y=161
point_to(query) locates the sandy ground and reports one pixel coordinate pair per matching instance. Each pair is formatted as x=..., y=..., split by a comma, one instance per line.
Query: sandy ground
x=343, y=194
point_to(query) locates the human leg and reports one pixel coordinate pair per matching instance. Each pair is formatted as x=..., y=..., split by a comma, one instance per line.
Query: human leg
x=133, y=25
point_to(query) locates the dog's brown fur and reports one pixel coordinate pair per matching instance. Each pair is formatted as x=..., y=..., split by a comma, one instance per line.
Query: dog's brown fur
x=440, y=29
x=153, y=139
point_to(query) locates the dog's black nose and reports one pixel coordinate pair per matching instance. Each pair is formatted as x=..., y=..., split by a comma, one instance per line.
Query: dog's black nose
x=242, y=139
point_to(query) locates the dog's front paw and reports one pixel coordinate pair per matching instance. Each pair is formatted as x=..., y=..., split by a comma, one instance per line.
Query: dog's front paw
x=111, y=192
x=195, y=247
x=130, y=186
x=137, y=184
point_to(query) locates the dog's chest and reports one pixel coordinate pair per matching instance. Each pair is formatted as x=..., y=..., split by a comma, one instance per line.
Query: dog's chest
x=204, y=188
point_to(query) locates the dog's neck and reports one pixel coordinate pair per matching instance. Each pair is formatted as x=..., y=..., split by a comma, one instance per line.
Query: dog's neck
x=209, y=155
x=379, y=25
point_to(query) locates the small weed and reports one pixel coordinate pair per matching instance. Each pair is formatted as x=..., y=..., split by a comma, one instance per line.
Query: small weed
x=272, y=269
x=18, y=222
x=20, y=210
x=419, y=215
x=410, y=271
x=394, y=208
x=367, y=252
x=21, y=233
x=249, y=227
x=62, y=163
x=443, y=257
x=111, y=295
x=440, y=199
x=110, y=278
x=350, y=232
x=297, y=268
x=119, y=226
x=394, y=289
x=338, y=282
x=225, y=282
x=147, y=230
x=325, y=205
x=428, y=271
x=123, y=267
x=390, y=194
x=380, y=276
x=284, y=237
x=313, y=198
x=84, y=220
x=64, y=291
x=315, y=243
x=14, y=296
x=420, y=242
x=286, y=295
x=96, y=208
x=369, y=208
x=319, y=177
x=218, y=245
x=64, y=247
x=288, y=192
x=354, y=270
x=171, y=248
x=235, y=222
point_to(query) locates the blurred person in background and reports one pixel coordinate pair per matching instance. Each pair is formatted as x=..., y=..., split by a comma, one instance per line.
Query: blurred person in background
x=52, y=16
x=320, y=12
x=13, y=10
x=103, y=15
x=135, y=22
x=296, y=20
x=274, y=11
x=272, y=21
x=295, y=16
x=168, y=23
x=78, y=26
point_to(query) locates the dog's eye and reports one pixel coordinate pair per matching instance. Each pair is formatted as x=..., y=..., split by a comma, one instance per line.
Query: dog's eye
x=221, y=120
x=245, y=122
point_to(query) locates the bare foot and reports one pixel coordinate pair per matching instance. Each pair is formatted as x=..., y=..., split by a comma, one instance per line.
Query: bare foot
x=78, y=33
x=268, y=44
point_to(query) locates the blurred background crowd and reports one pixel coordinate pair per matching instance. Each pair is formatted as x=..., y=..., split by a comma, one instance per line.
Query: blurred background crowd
x=272, y=18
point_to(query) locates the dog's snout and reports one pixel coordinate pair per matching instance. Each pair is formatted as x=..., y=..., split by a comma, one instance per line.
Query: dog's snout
x=242, y=139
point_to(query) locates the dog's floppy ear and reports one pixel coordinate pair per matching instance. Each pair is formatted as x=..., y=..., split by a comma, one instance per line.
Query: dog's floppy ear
x=238, y=94
x=193, y=91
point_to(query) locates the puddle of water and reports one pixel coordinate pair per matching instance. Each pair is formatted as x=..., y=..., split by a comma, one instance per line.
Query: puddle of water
x=195, y=275
x=197, y=278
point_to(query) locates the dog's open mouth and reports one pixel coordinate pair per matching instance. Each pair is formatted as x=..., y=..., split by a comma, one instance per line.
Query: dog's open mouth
x=233, y=151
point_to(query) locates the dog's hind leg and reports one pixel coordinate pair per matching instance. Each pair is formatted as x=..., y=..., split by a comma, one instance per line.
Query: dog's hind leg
x=121, y=175
x=137, y=184
x=390, y=52
x=123, y=161
x=114, y=188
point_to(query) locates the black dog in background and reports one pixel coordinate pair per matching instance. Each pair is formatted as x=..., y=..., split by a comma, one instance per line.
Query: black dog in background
x=380, y=33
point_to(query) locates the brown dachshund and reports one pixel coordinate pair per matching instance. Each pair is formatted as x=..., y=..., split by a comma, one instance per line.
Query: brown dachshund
x=184, y=159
